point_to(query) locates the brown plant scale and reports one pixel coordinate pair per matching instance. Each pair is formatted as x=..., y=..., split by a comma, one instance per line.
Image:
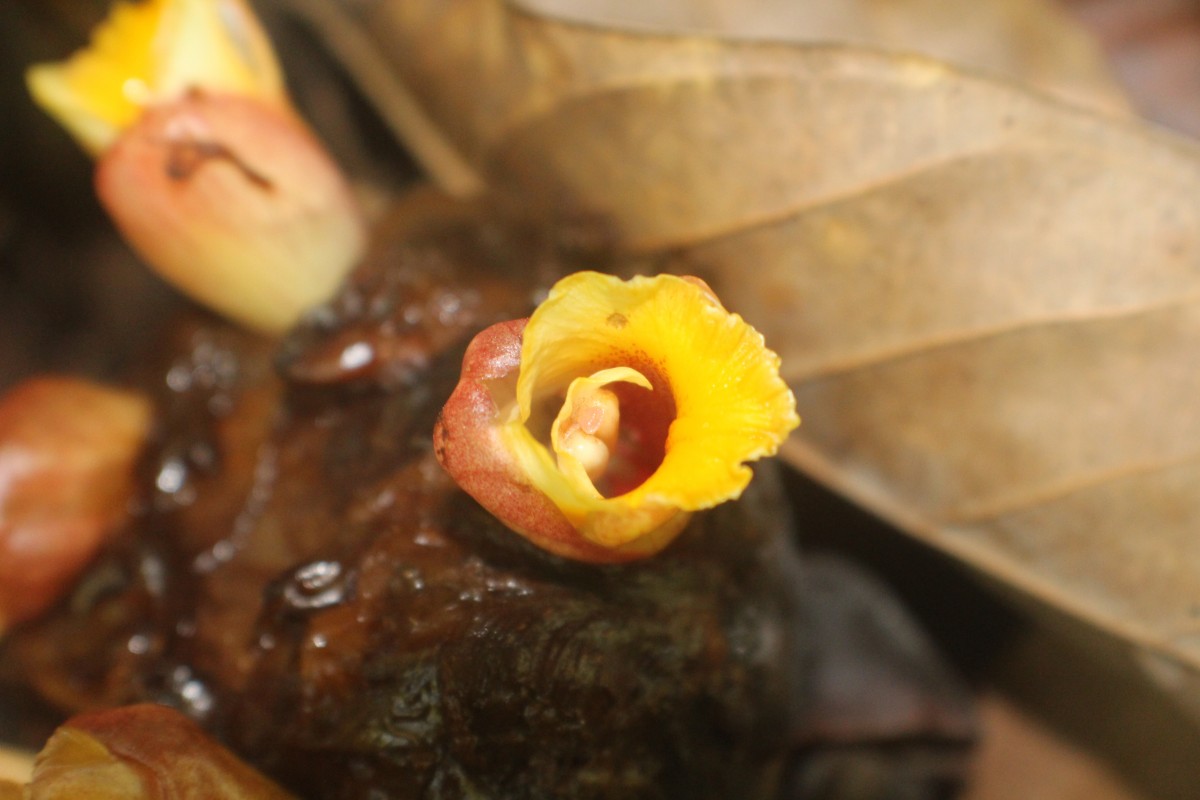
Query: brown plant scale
x=308, y=583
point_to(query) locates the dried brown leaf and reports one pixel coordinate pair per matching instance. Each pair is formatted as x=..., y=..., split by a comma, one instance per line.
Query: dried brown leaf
x=1033, y=42
x=986, y=300
x=449, y=78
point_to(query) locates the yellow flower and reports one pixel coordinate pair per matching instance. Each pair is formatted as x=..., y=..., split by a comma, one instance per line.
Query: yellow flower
x=634, y=403
x=154, y=52
x=201, y=162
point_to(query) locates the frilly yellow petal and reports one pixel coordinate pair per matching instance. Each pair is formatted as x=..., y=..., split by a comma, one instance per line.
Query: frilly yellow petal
x=151, y=52
x=730, y=405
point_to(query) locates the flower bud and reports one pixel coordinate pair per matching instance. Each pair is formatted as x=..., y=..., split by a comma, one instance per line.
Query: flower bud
x=67, y=450
x=235, y=203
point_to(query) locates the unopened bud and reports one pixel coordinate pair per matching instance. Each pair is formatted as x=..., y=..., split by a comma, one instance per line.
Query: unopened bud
x=235, y=202
x=67, y=449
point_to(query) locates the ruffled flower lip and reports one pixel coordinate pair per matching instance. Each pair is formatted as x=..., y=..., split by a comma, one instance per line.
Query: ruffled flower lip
x=597, y=426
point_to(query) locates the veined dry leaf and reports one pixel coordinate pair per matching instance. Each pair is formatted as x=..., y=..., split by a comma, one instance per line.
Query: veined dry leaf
x=1030, y=41
x=428, y=88
x=988, y=302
